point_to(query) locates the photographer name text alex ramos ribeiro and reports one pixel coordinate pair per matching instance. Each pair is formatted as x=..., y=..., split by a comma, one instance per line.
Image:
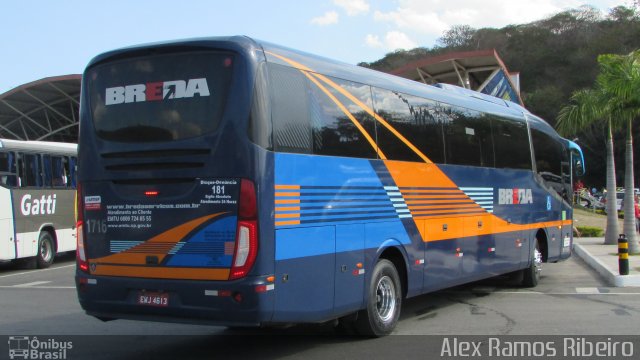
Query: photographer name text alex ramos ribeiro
x=565, y=347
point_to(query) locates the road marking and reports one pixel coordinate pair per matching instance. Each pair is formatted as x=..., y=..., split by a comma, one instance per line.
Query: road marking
x=32, y=284
x=37, y=271
x=36, y=287
x=587, y=290
x=528, y=292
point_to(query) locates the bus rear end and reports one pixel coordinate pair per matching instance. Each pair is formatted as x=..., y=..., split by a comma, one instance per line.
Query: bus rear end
x=168, y=219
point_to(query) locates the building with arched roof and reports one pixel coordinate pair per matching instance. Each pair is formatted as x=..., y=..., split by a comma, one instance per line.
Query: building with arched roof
x=45, y=109
x=481, y=70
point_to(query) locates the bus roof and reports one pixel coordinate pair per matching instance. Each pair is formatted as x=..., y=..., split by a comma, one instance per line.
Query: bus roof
x=35, y=146
x=445, y=93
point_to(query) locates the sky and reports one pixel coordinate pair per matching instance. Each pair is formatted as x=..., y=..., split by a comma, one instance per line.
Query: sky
x=42, y=38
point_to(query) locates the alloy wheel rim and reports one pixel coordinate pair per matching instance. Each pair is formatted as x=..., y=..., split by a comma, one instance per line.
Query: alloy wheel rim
x=385, y=299
x=45, y=251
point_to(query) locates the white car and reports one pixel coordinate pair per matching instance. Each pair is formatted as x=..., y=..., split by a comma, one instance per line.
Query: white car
x=619, y=200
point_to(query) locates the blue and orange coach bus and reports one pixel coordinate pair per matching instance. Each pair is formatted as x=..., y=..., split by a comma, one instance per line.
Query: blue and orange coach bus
x=236, y=182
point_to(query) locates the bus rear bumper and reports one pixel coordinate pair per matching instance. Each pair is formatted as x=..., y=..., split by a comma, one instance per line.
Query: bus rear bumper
x=246, y=302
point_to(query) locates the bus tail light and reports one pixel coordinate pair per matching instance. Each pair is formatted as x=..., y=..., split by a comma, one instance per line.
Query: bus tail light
x=247, y=233
x=81, y=256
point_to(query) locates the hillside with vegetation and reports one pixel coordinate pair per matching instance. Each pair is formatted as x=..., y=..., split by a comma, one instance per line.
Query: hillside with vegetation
x=555, y=57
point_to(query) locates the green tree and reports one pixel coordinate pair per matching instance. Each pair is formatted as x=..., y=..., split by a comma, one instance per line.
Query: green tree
x=620, y=75
x=589, y=106
x=615, y=99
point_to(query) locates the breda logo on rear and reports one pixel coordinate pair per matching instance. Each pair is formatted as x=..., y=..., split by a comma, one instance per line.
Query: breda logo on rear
x=156, y=91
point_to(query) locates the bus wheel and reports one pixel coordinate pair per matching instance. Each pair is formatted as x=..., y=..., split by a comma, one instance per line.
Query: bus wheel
x=531, y=275
x=46, y=250
x=384, y=301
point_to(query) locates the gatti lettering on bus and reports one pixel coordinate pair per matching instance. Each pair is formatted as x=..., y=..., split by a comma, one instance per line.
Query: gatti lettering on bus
x=156, y=91
x=45, y=205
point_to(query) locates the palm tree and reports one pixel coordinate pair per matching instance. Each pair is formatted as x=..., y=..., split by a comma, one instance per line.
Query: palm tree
x=587, y=107
x=620, y=75
x=615, y=99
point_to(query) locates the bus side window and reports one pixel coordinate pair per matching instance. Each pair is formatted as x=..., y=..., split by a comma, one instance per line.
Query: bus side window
x=46, y=167
x=290, y=109
x=73, y=164
x=59, y=173
x=334, y=132
x=416, y=119
x=30, y=175
x=511, y=141
x=549, y=155
x=468, y=138
x=8, y=176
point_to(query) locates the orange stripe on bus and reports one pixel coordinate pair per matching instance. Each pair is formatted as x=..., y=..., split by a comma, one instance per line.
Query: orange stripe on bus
x=466, y=226
x=410, y=174
x=292, y=222
x=443, y=210
x=281, y=216
x=439, y=202
x=439, y=197
x=288, y=201
x=288, y=208
x=287, y=194
x=444, y=206
x=287, y=187
x=157, y=272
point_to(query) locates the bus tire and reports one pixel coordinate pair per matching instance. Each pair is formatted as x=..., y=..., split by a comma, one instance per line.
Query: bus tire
x=384, y=302
x=46, y=250
x=531, y=275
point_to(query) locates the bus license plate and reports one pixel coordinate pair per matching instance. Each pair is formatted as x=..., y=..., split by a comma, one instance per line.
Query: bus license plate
x=153, y=299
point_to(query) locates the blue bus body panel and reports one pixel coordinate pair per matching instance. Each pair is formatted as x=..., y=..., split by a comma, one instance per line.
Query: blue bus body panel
x=323, y=221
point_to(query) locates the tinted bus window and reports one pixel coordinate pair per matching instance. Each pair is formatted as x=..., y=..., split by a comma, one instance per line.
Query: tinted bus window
x=416, y=119
x=55, y=171
x=468, y=137
x=8, y=169
x=30, y=175
x=549, y=155
x=46, y=167
x=150, y=99
x=334, y=131
x=260, y=129
x=307, y=120
x=511, y=143
x=385, y=105
x=71, y=179
x=291, y=122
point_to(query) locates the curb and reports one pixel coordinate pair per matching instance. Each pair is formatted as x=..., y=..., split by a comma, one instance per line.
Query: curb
x=612, y=278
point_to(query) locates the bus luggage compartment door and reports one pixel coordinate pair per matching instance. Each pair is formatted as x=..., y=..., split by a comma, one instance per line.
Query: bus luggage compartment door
x=305, y=262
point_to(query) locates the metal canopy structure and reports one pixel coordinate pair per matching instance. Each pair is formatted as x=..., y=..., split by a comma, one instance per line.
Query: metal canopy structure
x=45, y=109
x=481, y=71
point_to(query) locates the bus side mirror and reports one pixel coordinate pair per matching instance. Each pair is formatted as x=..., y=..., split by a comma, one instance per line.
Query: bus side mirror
x=577, y=158
x=577, y=166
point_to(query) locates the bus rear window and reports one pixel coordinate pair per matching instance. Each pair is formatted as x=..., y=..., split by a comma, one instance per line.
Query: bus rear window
x=149, y=99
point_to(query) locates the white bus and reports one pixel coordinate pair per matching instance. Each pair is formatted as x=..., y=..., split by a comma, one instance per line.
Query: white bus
x=37, y=193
